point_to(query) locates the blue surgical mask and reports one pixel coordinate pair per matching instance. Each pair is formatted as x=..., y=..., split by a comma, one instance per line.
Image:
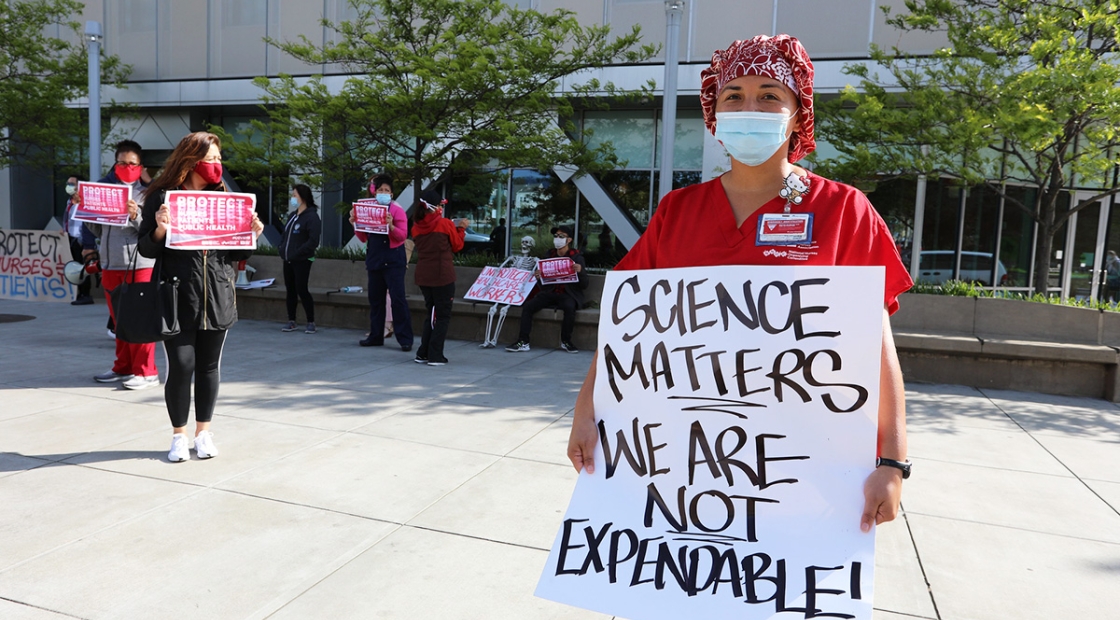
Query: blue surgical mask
x=383, y=199
x=293, y=201
x=752, y=137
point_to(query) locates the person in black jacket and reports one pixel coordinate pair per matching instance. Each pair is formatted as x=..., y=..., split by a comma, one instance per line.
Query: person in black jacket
x=567, y=297
x=207, y=300
x=297, y=250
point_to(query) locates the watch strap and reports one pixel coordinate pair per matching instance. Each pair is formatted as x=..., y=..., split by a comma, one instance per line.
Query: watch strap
x=903, y=466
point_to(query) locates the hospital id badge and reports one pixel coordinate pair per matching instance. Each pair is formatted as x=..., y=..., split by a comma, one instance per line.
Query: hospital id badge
x=785, y=229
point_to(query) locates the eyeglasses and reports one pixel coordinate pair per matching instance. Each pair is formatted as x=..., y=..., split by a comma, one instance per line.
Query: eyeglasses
x=561, y=236
x=128, y=165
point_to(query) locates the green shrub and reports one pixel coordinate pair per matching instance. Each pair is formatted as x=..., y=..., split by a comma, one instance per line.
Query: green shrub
x=957, y=288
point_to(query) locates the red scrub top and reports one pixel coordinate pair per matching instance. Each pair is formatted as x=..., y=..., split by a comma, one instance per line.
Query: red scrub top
x=695, y=227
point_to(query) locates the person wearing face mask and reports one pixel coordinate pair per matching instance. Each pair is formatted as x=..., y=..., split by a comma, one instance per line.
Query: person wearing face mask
x=757, y=99
x=437, y=239
x=135, y=364
x=207, y=299
x=297, y=250
x=73, y=230
x=566, y=297
x=385, y=266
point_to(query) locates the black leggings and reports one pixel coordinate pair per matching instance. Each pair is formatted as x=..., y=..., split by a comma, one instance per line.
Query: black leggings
x=438, y=301
x=198, y=354
x=296, y=276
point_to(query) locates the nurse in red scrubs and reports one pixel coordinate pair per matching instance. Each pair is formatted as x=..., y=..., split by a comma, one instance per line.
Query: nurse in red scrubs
x=757, y=98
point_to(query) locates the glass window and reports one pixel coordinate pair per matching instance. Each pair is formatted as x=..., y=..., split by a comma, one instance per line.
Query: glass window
x=893, y=200
x=688, y=141
x=629, y=131
x=942, y=209
x=1110, y=278
x=631, y=190
x=1084, y=251
x=483, y=197
x=1016, y=238
x=539, y=201
x=981, y=215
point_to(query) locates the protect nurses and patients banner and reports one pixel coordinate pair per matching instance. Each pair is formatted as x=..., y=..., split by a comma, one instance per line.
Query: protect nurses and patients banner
x=31, y=265
x=737, y=415
x=211, y=220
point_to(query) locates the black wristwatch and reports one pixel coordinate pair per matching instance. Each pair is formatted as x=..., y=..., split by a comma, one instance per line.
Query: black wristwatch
x=903, y=466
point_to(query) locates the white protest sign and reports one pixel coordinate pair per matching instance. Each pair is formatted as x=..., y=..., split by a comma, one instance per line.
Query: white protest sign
x=737, y=415
x=31, y=265
x=502, y=285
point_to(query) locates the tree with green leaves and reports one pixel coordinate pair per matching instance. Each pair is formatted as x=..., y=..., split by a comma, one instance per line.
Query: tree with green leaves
x=39, y=74
x=1025, y=93
x=432, y=85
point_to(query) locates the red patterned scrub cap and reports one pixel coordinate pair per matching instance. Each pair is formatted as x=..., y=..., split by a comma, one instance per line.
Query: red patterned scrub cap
x=781, y=58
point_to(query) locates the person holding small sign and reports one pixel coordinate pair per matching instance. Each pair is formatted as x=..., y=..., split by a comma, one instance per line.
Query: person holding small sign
x=757, y=99
x=297, y=250
x=135, y=364
x=73, y=230
x=437, y=239
x=567, y=296
x=385, y=266
x=207, y=299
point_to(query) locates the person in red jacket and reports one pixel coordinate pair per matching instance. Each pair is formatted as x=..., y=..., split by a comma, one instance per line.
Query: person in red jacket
x=437, y=239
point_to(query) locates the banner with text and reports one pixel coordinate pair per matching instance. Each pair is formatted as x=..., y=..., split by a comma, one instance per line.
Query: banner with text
x=370, y=217
x=31, y=265
x=502, y=285
x=103, y=203
x=557, y=270
x=737, y=413
x=211, y=220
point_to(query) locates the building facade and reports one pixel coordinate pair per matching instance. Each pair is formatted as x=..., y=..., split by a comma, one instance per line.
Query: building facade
x=193, y=64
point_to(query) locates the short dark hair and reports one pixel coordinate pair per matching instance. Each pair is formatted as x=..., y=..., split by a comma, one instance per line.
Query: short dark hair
x=382, y=179
x=128, y=146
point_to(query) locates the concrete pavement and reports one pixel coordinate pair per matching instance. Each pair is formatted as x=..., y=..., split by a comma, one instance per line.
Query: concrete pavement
x=353, y=483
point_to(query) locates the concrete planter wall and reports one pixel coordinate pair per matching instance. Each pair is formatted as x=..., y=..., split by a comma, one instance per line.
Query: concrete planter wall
x=1008, y=344
x=1005, y=319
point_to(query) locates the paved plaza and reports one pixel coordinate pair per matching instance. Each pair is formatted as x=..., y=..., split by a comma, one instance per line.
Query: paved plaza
x=353, y=483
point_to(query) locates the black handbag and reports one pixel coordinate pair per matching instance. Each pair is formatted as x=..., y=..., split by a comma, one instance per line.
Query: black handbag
x=146, y=311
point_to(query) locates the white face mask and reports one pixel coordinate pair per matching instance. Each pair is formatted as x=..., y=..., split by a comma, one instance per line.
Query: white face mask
x=752, y=137
x=559, y=243
x=70, y=189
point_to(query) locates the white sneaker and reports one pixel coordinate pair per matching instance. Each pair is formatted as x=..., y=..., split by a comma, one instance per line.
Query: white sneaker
x=180, y=449
x=140, y=382
x=204, y=445
x=110, y=376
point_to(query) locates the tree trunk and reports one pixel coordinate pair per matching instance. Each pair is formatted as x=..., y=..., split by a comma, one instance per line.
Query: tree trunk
x=1044, y=247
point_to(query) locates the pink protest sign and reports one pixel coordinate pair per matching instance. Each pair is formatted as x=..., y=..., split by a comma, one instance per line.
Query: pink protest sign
x=103, y=203
x=557, y=270
x=211, y=220
x=371, y=217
